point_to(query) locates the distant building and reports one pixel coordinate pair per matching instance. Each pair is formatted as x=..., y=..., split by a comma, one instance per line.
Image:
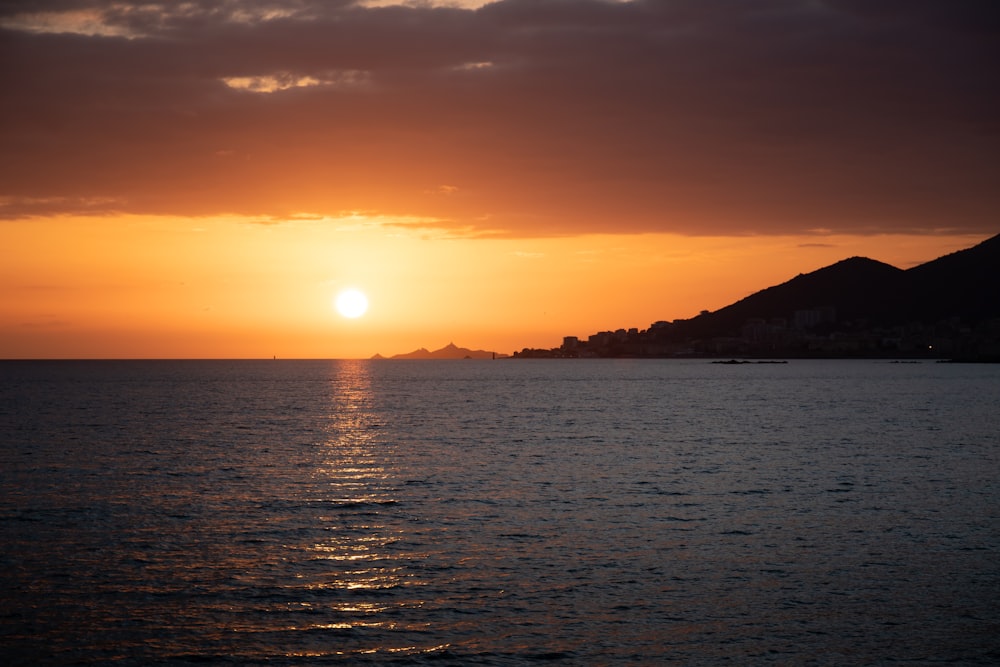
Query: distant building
x=755, y=330
x=600, y=339
x=812, y=317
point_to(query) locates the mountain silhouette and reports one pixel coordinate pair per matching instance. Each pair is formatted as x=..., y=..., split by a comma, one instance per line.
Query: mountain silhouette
x=963, y=285
x=449, y=351
x=856, y=288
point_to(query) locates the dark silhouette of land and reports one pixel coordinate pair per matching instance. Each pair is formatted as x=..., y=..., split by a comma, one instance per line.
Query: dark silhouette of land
x=449, y=351
x=858, y=307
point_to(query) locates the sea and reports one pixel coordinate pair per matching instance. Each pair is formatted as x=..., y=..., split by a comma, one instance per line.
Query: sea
x=499, y=512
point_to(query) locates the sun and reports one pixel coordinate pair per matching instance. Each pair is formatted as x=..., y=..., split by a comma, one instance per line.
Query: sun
x=351, y=303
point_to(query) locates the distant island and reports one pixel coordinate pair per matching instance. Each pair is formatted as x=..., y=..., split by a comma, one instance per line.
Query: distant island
x=449, y=351
x=948, y=308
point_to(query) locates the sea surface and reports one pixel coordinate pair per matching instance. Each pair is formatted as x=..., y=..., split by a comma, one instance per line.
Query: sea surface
x=509, y=512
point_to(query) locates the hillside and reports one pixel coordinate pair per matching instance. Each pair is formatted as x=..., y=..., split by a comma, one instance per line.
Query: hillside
x=964, y=285
x=856, y=288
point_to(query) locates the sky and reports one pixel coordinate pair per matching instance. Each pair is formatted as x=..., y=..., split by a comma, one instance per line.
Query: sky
x=201, y=179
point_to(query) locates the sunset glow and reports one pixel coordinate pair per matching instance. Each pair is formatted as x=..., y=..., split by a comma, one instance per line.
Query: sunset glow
x=539, y=170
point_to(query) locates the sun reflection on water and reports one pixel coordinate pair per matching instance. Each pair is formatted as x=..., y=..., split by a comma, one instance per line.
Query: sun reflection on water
x=360, y=554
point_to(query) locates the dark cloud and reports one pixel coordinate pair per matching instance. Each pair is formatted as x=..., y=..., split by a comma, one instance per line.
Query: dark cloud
x=542, y=116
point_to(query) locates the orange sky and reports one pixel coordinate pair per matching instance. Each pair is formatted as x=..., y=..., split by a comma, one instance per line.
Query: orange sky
x=185, y=181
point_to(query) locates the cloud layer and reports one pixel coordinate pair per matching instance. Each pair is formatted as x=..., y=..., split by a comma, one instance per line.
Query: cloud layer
x=526, y=116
